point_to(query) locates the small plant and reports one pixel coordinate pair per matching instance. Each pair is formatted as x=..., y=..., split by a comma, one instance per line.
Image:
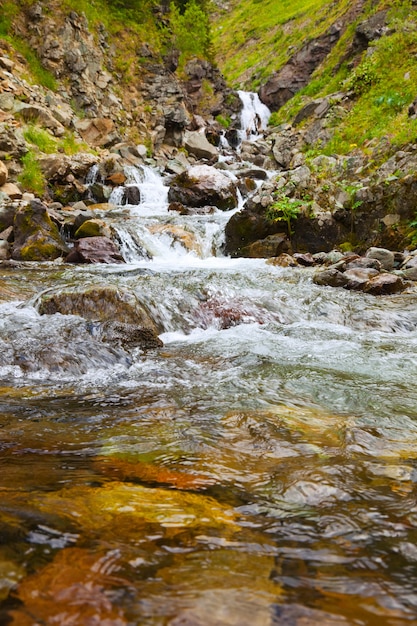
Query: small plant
x=362, y=78
x=223, y=121
x=284, y=210
x=32, y=178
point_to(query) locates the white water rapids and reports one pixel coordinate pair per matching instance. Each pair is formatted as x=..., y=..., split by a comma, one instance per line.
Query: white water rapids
x=294, y=405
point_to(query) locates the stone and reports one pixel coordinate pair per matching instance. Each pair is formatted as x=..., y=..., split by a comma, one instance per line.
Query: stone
x=364, y=262
x=385, y=284
x=330, y=278
x=385, y=257
x=101, y=304
x=4, y=250
x=7, y=234
x=11, y=190
x=196, y=143
x=203, y=185
x=94, y=250
x=7, y=213
x=410, y=273
x=358, y=278
x=304, y=259
x=178, y=235
x=96, y=132
x=93, y=228
x=41, y=115
x=283, y=260
x=3, y=173
x=271, y=246
x=36, y=237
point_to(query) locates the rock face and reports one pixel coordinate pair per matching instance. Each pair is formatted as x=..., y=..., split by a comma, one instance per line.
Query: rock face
x=197, y=144
x=204, y=185
x=121, y=319
x=3, y=173
x=296, y=74
x=94, y=250
x=36, y=238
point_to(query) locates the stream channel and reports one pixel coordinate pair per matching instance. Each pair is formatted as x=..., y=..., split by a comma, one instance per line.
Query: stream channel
x=249, y=473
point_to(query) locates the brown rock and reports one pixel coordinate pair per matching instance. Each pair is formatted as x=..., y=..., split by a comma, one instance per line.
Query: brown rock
x=97, y=132
x=11, y=190
x=94, y=250
x=283, y=260
x=271, y=246
x=3, y=173
x=358, y=278
x=36, y=237
x=385, y=284
x=203, y=185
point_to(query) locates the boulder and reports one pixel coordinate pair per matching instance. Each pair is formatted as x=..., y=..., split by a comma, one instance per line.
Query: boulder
x=41, y=115
x=36, y=237
x=204, y=185
x=7, y=214
x=93, y=228
x=385, y=284
x=117, y=315
x=271, y=246
x=330, y=278
x=97, y=132
x=283, y=260
x=3, y=173
x=385, y=257
x=11, y=190
x=358, y=278
x=94, y=250
x=196, y=143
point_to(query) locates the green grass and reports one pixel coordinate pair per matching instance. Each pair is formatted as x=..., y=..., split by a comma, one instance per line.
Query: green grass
x=40, y=138
x=31, y=177
x=255, y=38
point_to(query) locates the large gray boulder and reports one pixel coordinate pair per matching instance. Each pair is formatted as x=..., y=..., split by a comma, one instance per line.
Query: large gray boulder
x=203, y=185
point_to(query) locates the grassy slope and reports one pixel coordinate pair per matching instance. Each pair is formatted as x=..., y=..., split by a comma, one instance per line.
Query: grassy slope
x=256, y=39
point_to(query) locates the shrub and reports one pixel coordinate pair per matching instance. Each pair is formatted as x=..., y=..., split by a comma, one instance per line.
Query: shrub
x=32, y=178
x=284, y=210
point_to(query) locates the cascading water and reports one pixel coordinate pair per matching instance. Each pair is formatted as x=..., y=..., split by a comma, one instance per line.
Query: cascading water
x=259, y=469
x=254, y=117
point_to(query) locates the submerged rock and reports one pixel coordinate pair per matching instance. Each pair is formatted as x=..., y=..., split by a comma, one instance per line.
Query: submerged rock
x=36, y=237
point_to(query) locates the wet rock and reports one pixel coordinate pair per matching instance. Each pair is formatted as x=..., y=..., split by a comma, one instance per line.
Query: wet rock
x=385, y=257
x=363, y=262
x=93, y=228
x=129, y=335
x=330, y=278
x=410, y=273
x=304, y=259
x=385, y=284
x=196, y=143
x=358, y=278
x=3, y=173
x=204, y=185
x=271, y=246
x=178, y=235
x=283, y=260
x=94, y=250
x=184, y=210
x=5, y=252
x=117, y=315
x=36, y=237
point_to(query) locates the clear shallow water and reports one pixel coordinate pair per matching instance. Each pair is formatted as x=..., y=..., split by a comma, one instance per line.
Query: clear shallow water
x=257, y=469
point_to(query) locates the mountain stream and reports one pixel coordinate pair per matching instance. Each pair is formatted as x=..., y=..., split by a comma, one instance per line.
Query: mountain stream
x=258, y=469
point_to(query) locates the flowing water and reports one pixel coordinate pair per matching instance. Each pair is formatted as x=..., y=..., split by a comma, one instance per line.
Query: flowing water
x=258, y=469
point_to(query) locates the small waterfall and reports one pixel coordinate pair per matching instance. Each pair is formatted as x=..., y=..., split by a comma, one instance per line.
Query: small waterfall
x=92, y=175
x=254, y=116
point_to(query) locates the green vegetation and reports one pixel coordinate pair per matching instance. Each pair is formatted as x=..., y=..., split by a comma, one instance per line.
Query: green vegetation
x=252, y=39
x=40, y=138
x=284, y=209
x=190, y=31
x=32, y=178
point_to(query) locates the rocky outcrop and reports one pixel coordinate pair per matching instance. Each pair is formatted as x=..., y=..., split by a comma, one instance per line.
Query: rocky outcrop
x=203, y=185
x=296, y=74
x=36, y=237
x=3, y=173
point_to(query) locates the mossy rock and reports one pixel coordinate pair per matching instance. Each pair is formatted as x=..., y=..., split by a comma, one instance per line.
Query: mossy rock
x=93, y=228
x=36, y=237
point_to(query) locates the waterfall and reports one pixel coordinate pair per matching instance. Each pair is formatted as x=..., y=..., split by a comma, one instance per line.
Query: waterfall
x=254, y=116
